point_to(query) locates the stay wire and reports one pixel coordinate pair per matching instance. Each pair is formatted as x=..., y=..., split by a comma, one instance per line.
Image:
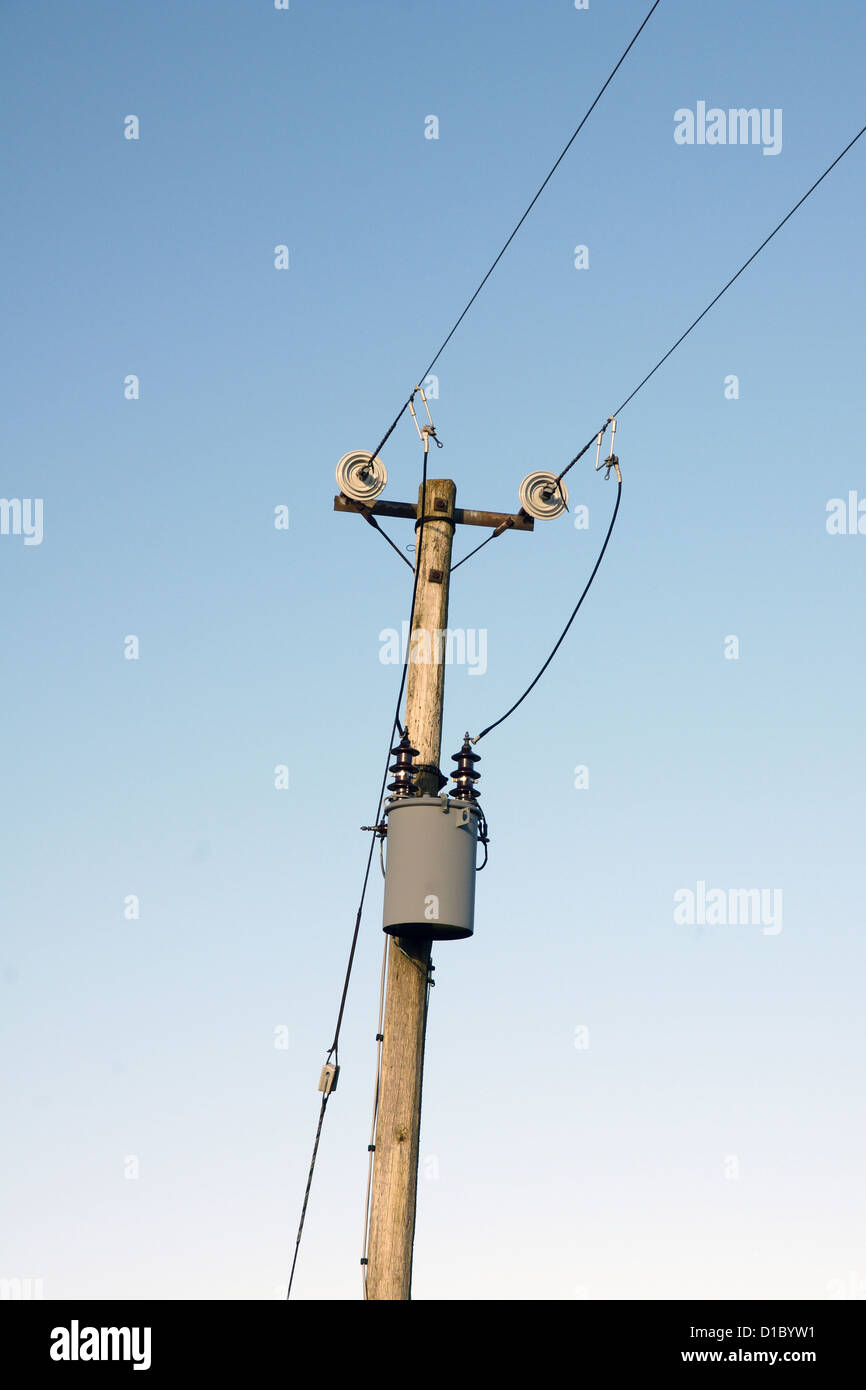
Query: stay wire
x=491, y=537
x=371, y=520
x=543, y=185
x=562, y=636
x=723, y=290
x=395, y=724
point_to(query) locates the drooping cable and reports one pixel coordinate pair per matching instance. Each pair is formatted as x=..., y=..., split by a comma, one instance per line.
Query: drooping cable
x=395, y=724
x=574, y=614
x=333, y=1050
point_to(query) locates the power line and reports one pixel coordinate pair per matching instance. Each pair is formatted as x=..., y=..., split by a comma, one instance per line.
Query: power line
x=395, y=724
x=307, y=1191
x=723, y=290
x=574, y=614
x=743, y=267
x=333, y=1050
x=380, y=445
x=453, y=329
x=631, y=397
x=543, y=185
x=396, y=721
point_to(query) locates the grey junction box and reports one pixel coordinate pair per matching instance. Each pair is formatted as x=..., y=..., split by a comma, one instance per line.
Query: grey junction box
x=430, y=867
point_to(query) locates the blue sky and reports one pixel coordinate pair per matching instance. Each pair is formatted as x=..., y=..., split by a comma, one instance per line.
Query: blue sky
x=550, y=1170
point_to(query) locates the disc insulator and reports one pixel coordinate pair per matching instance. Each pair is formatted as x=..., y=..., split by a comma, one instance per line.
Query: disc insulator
x=542, y=496
x=361, y=476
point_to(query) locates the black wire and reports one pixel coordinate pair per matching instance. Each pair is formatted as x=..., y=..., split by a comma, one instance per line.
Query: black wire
x=743, y=267
x=391, y=428
x=307, y=1193
x=396, y=721
x=396, y=548
x=447, y=339
x=725, y=288
x=395, y=724
x=559, y=643
x=541, y=189
x=588, y=445
x=333, y=1049
x=490, y=727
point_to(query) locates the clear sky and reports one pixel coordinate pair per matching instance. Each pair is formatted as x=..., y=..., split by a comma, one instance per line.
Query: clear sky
x=616, y=1104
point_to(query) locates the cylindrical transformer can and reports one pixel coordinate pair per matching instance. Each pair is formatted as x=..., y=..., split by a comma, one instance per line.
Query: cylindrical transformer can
x=430, y=867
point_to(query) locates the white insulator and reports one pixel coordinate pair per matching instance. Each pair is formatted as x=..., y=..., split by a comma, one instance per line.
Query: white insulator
x=361, y=476
x=542, y=496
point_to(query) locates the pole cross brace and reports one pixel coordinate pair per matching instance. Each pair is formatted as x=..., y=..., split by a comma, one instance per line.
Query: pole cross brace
x=517, y=521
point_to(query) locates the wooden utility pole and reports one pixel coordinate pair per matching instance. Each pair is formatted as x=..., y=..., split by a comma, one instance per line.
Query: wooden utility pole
x=395, y=1170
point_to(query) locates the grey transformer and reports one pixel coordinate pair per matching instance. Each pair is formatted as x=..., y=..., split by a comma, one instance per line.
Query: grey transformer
x=430, y=867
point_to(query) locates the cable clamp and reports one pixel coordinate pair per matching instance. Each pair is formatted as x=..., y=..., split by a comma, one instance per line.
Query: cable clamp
x=436, y=516
x=328, y=1078
x=428, y=431
x=611, y=461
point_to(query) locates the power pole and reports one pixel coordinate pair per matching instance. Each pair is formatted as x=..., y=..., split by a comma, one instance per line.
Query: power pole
x=395, y=1169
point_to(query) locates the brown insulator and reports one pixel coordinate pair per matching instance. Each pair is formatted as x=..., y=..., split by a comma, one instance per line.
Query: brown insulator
x=404, y=772
x=464, y=774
